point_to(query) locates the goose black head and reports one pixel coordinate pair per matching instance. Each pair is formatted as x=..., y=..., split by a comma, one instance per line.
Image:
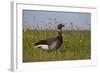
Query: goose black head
x=60, y=26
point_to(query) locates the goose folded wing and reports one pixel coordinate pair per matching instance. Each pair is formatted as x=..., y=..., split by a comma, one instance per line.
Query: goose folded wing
x=41, y=42
x=46, y=42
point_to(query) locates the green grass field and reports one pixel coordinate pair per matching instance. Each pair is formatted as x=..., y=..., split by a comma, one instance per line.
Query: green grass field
x=76, y=46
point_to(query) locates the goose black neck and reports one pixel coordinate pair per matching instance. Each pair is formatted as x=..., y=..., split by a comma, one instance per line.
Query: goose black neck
x=60, y=36
x=59, y=33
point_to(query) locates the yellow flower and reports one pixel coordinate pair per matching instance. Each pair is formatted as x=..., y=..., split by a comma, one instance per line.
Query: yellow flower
x=80, y=40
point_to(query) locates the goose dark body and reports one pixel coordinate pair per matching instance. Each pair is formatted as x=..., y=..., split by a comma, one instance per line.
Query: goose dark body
x=51, y=43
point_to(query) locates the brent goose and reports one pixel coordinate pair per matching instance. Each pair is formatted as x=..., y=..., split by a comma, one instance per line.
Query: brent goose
x=51, y=43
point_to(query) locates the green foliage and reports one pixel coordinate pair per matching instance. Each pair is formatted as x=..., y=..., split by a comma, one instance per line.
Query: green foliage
x=76, y=46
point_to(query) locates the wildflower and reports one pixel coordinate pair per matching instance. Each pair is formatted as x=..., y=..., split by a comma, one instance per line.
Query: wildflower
x=66, y=40
x=80, y=40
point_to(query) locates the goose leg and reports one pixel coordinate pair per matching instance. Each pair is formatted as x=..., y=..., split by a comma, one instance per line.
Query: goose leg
x=49, y=51
x=57, y=53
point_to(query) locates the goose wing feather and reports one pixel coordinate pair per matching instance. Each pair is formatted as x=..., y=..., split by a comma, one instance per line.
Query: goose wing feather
x=47, y=41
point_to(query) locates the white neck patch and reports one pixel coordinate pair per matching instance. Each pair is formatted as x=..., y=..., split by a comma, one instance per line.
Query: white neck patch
x=58, y=30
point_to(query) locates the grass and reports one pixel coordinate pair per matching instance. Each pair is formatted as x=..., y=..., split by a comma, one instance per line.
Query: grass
x=76, y=46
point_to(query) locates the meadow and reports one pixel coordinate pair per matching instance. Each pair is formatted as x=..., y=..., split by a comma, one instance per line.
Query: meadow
x=76, y=45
